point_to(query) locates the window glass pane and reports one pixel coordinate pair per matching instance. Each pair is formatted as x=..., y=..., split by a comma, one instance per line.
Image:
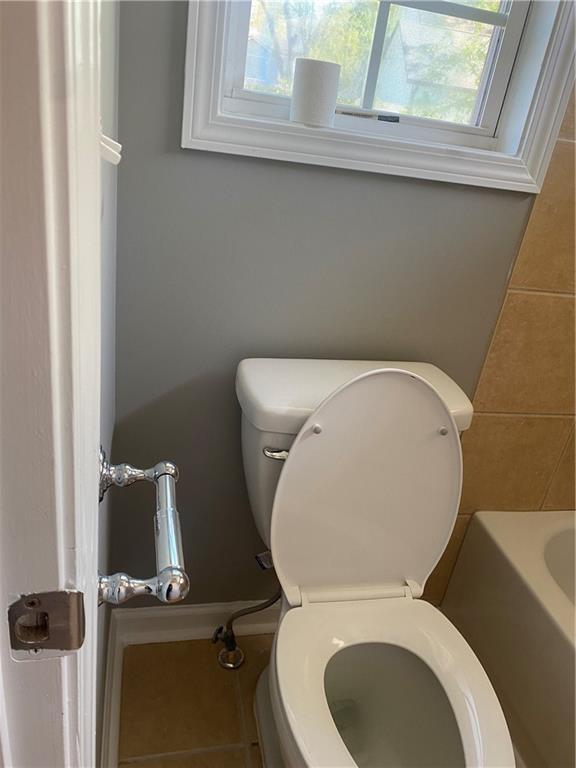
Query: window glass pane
x=339, y=31
x=432, y=65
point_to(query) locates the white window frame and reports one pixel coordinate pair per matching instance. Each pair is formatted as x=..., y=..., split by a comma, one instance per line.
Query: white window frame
x=509, y=150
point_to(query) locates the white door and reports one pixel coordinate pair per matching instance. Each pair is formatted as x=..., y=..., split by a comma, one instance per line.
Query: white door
x=49, y=367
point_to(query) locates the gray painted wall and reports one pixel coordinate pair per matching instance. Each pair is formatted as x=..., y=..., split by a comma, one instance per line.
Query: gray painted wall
x=109, y=34
x=109, y=40
x=225, y=257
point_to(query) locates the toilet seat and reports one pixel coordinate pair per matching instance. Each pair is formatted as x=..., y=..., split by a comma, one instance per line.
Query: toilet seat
x=308, y=638
x=363, y=510
x=369, y=494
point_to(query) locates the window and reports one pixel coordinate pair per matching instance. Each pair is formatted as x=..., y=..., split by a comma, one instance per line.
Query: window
x=441, y=61
x=462, y=80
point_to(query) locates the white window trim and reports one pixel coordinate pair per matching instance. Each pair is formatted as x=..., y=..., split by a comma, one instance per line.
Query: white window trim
x=517, y=159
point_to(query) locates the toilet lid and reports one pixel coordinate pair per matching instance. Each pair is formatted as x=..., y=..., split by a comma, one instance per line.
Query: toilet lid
x=369, y=494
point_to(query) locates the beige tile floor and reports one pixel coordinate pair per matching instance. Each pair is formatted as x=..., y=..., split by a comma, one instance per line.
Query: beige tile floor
x=179, y=709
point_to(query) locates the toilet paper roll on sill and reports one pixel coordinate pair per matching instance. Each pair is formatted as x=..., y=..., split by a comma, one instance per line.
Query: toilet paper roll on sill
x=314, y=92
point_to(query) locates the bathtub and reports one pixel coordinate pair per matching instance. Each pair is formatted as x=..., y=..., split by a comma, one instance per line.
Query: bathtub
x=511, y=595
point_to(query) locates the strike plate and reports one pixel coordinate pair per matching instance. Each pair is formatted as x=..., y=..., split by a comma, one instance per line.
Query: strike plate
x=47, y=620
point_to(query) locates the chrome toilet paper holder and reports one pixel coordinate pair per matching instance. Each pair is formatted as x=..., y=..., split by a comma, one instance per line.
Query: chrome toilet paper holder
x=171, y=583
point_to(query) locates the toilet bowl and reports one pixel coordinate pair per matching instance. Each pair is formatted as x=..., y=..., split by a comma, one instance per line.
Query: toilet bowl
x=362, y=672
x=382, y=683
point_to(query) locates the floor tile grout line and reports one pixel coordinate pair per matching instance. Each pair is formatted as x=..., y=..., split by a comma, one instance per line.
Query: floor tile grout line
x=181, y=753
x=242, y=717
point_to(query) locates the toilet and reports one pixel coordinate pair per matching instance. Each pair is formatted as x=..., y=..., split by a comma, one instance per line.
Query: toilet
x=354, y=473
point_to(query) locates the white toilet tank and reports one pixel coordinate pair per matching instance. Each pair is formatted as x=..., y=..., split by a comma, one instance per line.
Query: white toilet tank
x=278, y=395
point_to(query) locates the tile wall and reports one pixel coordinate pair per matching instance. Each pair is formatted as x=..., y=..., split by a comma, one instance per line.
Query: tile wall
x=519, y=452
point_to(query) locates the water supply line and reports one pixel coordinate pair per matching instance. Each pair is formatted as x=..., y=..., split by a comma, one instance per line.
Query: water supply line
x=232, y=656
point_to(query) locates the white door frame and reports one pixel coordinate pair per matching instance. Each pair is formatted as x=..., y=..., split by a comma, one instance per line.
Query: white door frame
x=49, y=365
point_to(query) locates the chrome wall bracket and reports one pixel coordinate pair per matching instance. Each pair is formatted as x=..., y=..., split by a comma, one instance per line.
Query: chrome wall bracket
x=171, y=583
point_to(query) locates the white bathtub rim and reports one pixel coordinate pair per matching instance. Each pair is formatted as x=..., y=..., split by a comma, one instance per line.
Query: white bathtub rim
x=521, y=537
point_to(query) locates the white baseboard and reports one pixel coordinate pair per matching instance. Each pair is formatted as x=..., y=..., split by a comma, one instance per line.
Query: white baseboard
x=165, y=624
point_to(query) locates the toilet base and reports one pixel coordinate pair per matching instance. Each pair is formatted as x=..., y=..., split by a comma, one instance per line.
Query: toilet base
x=267, y=735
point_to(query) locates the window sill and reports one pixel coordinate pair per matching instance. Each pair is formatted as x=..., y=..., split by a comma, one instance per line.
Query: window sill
x=337, y=148
x=517, y=160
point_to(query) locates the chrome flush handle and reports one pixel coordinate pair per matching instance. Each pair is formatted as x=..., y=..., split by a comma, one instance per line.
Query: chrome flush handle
x=171, y=582
x=278, y=454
